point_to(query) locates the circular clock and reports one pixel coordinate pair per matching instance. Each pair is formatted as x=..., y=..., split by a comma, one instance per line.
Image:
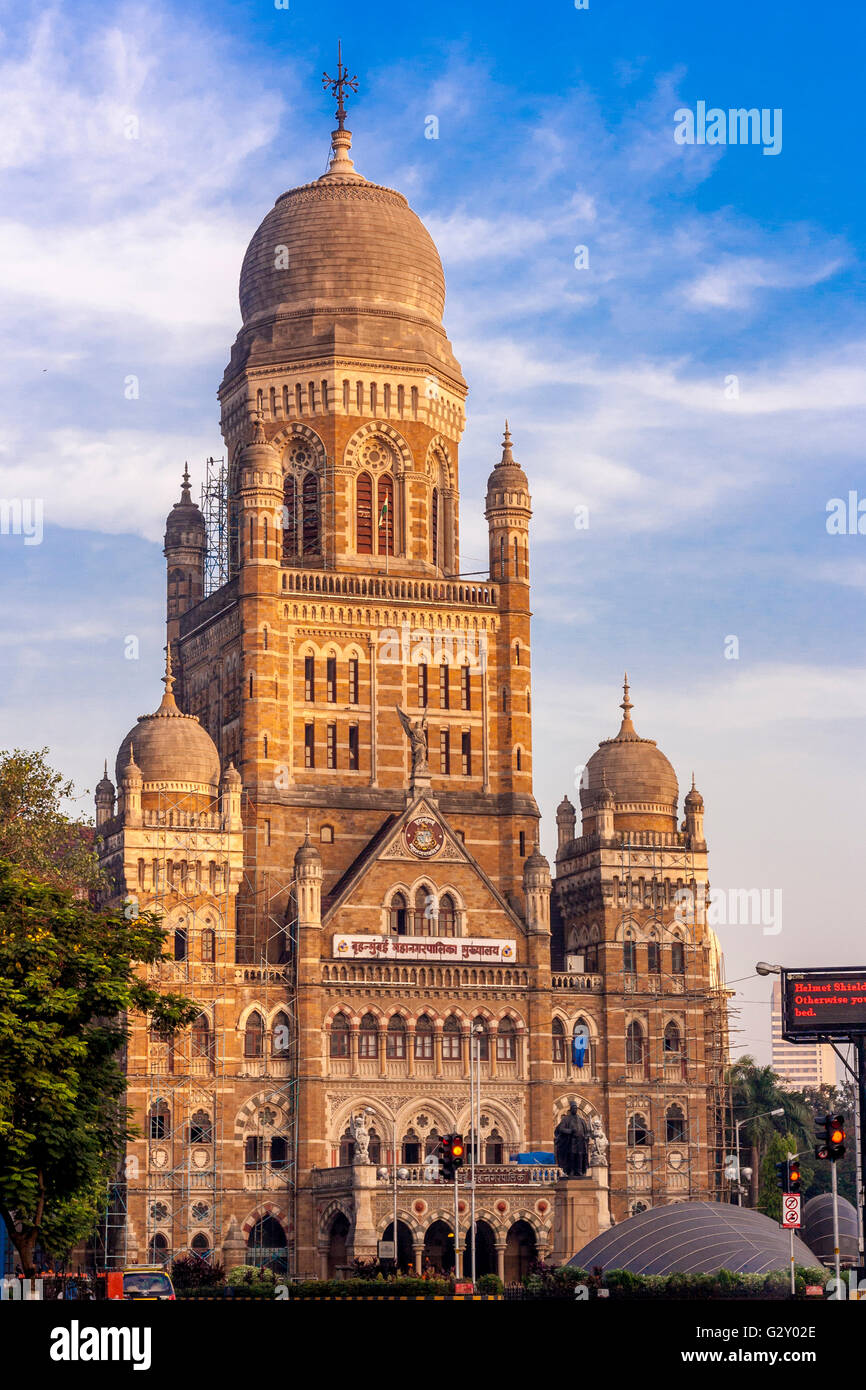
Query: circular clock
x=424, y=836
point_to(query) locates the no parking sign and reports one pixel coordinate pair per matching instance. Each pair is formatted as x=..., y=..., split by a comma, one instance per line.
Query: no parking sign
x=791, y=1209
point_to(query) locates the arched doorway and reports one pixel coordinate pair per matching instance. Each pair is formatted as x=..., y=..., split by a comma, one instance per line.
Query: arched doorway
x=267, y=1246
x=405, y=1262
x=485, y=1250
x=521, y=1251
x=439, y=1247
x=337, y=1257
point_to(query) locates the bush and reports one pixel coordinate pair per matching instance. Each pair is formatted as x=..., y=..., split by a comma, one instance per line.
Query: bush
x=190, y=1272
x=490, y=1283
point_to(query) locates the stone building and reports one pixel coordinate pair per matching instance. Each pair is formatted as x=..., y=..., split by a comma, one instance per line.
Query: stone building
x=332, y=809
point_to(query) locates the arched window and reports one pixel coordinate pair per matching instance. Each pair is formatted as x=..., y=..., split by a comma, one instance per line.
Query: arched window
x=481, y=1036
x=347, y=1148
x=395, y=1038
x=385, y=514
x=634, y=1045
x=159, y=1120
x=411, y=1147
x=398, y=915
x=208, y=944
x=311, y=514
x=425, y=903
x=434, y=526
x=364, y=521
x=424, y=1038
x=678, y=959
x=374, y=1146
x=340, y=1036
x=254, y=1036
x=452, y=1040
x=200, y=1128
x=290, y=516
x=494, y=1149
x=558, y=1040
x=157, y=1250
x=432, y=1142
x=368, y=1036
x=638, y=1133
x=280, y=1035
x=253, y=1152
x=506, y=1041
x=180, y=943
x=654, y=958
x=672, y=1038
x=202, y=1045
x=447, y=916
x=518, y=759
x=501, y=557
x=581, y=1053
x=675, y=1125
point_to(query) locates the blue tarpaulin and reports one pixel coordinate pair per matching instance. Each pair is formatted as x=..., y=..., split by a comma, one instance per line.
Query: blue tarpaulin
x=535, y=1157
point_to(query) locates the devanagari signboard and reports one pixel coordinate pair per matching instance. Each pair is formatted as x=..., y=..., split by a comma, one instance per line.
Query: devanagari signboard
x=456, y=950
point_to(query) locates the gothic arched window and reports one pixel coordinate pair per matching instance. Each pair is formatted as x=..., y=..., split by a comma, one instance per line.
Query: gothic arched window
x=364, y=493
x=447, y=916
x=434, y=526
x=481, y=1036
x=398, y=915
x=290, y=516
x=675, y=1125
x=558, y=1041
x=254, y=1036
x=506, y=1041
x=424, y=1038
x=280, y=1035
x=340, y=1036
x=452, y=1040
x=672, y=1038
x=368, y=1036
x=638, y=1133
x=200, y=1128
x=311, y=514
x=634, y=1045
x=159, y=1120
x=385, y=514
x=395, y=1038
x=202, y=1045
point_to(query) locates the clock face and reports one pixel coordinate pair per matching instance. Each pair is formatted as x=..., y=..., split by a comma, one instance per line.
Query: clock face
x=424, y=836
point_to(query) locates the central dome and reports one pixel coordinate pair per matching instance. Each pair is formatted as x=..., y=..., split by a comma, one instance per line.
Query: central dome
x=633, y=772
x=343, y=265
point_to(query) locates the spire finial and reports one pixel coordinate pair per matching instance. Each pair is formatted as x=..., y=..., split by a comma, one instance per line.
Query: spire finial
x=105, y=770
x=339, y=85
x=626, y=706
x=693, y=782
x=184, y=487
x=507, y=455
x=308, y=827
x=168, y=701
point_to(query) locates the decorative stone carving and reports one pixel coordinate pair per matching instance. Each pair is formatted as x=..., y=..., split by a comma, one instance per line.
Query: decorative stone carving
x=598, y=1143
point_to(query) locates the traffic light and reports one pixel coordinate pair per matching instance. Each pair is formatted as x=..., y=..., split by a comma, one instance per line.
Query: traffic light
x=788, y=1175
x=452, y=1155
x=830, y=1130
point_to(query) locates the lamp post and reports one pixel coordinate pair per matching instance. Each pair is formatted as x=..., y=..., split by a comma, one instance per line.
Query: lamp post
x=474, y=1129
x=737, y=1125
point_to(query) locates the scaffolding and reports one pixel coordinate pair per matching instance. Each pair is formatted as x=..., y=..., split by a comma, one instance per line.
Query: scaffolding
x=186, y=1091
x=214, y=509
x=704, y=1006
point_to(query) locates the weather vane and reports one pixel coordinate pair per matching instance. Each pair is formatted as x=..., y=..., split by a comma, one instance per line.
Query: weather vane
x=339, y=85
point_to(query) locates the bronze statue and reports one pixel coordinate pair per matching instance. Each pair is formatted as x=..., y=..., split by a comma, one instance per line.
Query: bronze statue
x=570, y=1143
x=416, y=732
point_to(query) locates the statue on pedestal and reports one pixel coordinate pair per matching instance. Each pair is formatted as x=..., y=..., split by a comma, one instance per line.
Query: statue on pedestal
x=358, y=1131
x=416, y=732
x=570, y=1143
x=597, y=1144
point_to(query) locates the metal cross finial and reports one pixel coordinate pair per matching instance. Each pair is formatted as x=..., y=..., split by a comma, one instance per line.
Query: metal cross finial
x=339, y=85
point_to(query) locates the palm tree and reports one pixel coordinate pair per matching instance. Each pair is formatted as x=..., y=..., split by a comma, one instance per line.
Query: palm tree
x=755, y=1091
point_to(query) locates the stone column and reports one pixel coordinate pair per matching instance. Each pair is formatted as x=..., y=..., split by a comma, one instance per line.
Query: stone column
x=418, y=1255
x=364, y=1238
x=500, y=1259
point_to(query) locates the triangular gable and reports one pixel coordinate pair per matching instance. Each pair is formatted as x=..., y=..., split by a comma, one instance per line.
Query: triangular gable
x=390, y=844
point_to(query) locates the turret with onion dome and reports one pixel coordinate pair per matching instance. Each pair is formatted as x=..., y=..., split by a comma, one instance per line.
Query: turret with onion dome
x=508, y=512
x=185, y=549
x=173, y=754
x=104, y=798
x=631, y=777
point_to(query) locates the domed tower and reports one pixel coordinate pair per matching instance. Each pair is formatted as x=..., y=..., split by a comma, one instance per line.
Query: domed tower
x=104, y=798
x=630, y=930
x=184, y=550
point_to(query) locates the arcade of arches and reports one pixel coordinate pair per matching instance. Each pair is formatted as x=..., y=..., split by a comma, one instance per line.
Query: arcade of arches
x=509, y=1251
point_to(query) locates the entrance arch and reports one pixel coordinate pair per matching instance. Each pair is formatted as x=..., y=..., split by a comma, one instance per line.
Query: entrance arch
x=485, y=1250
x=521, y=1251
x=405, y=1262
x=337, y=1237
x=439, y=1247
x=267, y=1246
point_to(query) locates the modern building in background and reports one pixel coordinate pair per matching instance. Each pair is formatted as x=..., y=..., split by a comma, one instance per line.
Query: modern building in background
x=332, y=809
x=798, y=1064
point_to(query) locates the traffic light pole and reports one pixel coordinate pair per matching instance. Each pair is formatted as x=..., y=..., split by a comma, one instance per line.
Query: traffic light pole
x=835, y=1191
x=458, y=1263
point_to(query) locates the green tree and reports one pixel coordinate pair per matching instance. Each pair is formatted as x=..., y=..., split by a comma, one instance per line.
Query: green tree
x=69, y=977
x=35, y=831
x=770, y=1200
x=832, y=1100
x=755, y=1091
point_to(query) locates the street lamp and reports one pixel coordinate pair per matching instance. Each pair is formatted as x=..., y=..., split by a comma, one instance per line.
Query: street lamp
x=476, y=1032
x=737, y=1125
x=763, y=967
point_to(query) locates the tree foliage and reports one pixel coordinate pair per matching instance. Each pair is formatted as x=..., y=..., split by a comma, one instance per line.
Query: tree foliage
x=756, y=1090
x=35, y=831
x=68, y=978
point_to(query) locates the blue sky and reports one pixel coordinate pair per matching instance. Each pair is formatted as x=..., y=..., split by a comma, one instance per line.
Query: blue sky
x=120, y=257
